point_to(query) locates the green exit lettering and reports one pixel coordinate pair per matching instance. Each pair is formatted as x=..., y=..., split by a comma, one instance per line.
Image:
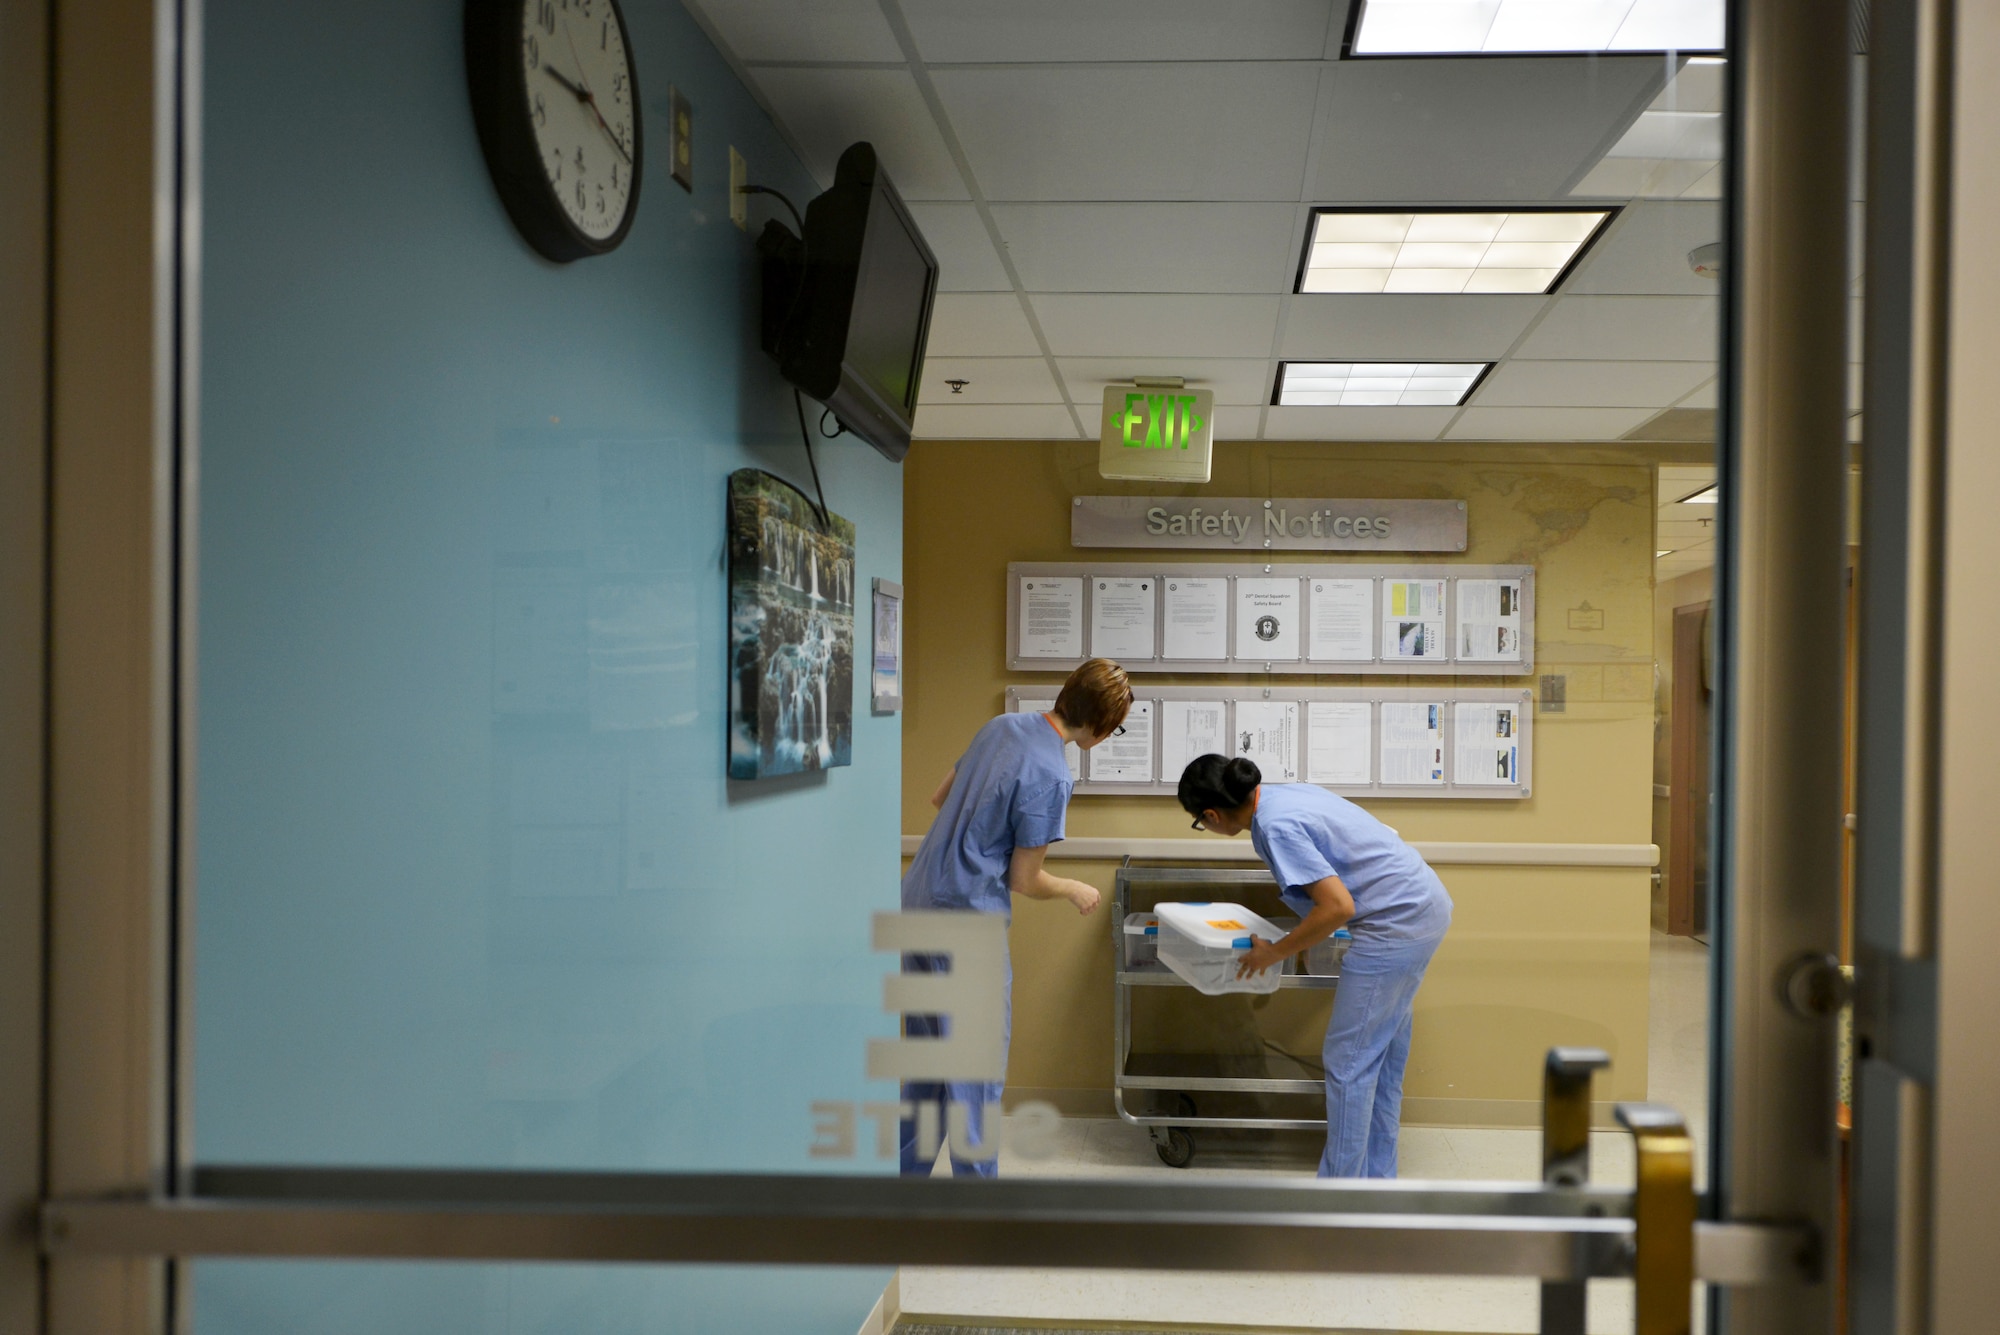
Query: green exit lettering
x=1158, y=421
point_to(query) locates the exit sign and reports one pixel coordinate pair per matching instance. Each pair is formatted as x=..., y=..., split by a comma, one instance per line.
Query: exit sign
x=1157, y=435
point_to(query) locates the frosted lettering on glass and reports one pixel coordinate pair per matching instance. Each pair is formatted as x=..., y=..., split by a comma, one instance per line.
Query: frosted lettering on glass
x=1341, y=613
x=1267, y=620
x=1340, y=742
x=1413, y=618
x=1126, y=759
x=1267, y=734
x=1412, y=744
x=1121, y=617
x=1486, y=744
x=1489, y=620
x=1197, y=618
x=1052, y=616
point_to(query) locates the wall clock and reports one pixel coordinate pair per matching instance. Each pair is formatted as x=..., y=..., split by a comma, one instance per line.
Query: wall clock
x=557, y=105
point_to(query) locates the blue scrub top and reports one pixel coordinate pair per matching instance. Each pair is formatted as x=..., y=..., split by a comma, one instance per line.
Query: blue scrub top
x=1010, y=790
x=1305, y=834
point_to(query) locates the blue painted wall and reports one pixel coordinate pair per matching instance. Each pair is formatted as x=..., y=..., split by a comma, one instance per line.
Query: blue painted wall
x=472, y=889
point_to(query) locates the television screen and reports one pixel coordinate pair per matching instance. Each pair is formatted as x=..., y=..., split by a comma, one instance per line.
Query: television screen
x=847, y=308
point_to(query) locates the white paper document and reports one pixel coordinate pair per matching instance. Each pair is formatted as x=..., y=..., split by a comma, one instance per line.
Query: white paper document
x=1341, y=613
x=1267, y=620
x=1071, y=751
x=1197, y=618
x=1051, y=616
x=1489, y=620
x=1190, y=728
x=1127, y=758
x=1340, y=742
x=1267, y=733
x=1486, y=744
x=1413, y=618
x=1412, y=744
x=1121, y=617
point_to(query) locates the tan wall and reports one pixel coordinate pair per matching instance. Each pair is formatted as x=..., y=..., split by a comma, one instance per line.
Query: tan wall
x=1697, y=586
x=1536, y=956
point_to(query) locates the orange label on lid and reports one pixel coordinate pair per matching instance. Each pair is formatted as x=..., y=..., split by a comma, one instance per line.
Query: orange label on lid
x=1226, y=924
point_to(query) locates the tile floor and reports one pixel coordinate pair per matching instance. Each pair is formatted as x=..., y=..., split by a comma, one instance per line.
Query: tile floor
x=1677, y=1075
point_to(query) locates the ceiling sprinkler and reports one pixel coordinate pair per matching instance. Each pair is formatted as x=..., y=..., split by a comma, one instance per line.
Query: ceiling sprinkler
x=1706, y=261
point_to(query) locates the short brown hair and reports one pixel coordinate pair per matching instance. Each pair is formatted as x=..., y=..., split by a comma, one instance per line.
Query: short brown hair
x=1097, y=696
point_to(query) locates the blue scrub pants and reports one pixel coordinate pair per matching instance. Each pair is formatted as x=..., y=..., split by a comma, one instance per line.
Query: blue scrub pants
x=975, y=1098
x=1367, y=1047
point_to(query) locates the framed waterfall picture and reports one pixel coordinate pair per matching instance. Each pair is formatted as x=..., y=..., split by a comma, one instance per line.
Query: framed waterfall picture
x=885, y=676
x=791, y=631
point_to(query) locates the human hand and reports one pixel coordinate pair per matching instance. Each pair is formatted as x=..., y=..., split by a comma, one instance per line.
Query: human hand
x=1261, y=956
x=1085, y=898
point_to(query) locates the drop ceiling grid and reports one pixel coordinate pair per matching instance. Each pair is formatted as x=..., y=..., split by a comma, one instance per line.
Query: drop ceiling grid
x=1085, y=216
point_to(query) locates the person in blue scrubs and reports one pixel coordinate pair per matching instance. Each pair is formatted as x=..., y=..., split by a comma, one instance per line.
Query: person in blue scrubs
x=1338, y=866
x=999, y=809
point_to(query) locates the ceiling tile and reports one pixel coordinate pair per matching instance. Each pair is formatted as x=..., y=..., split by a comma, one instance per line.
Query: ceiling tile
x=828, y=109
x=1589, y=384
x=1546, y=423
x=967, y=261
x=1002, y=421
x=823, y=30
x=1235, y=423
x=988, y=380
x=1406, y=328
x=1646, y=249
x=1194, y=131
x=1116, y=325
x=1355, y=423
x=1245, y=380
x=1679, y=329
x=980, y=325
x=1049, y=31
x=1482, y=129
x=1150, y=247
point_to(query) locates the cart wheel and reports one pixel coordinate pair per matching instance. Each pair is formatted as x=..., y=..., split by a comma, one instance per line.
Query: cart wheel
x=1177, y=1149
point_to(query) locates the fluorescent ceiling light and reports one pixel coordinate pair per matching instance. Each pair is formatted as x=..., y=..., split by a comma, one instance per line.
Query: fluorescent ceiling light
x=1706, y=496
x=1437, y=251
x=1532, y=27
x=1376, y=384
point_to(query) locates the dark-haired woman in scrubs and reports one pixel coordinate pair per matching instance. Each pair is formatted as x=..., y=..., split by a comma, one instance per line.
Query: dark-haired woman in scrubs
x=1338, y=866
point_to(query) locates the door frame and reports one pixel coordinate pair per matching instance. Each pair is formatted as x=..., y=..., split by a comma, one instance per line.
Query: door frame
x=1683, y=813
x=123, y=202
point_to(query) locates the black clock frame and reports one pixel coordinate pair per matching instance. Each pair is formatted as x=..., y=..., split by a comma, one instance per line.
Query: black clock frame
x=500, y=110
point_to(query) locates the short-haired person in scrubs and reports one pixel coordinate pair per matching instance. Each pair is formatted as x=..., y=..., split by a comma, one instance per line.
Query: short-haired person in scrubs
x=1338, y=867
x=999, y=809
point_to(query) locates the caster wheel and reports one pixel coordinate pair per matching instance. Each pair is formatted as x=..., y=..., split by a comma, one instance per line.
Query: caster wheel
x=1176, y=1149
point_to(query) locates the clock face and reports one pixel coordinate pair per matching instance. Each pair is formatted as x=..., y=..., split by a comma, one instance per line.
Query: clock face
x=579, y=86
x=556, y=102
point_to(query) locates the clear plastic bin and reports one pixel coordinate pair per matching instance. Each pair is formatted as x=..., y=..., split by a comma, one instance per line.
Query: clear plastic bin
x=1324, y=959
x=1203, y=943
x=1141, y=940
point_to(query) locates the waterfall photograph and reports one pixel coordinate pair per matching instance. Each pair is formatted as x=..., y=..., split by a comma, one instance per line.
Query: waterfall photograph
x=791, y=631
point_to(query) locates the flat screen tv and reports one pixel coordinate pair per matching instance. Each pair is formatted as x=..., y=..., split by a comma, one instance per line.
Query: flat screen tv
x=847, y=307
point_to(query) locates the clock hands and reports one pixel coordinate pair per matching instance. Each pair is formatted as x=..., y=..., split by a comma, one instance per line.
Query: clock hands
x=589, y=99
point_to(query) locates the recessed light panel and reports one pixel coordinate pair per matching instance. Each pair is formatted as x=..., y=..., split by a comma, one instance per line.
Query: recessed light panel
x=1376, y=384
x=1533, y=27
x=1445, y=252
x=1706, y=496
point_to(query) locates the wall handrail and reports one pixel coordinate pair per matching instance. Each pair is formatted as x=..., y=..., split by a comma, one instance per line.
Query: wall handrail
x=1439, y=853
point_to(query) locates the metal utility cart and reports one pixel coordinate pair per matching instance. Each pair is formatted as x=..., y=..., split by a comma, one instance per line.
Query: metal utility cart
x=1187, y=1074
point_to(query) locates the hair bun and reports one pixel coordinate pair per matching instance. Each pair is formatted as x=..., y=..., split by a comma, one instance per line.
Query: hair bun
x=1239, y=777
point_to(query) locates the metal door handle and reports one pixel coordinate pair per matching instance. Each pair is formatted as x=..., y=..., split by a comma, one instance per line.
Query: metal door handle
x=1663, y=1219
x=1566, y=1162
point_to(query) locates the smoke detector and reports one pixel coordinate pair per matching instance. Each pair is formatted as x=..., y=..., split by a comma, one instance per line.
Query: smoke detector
x=1706, y=261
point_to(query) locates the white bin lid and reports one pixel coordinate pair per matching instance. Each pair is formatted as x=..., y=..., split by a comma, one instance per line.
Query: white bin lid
x=1218, y=926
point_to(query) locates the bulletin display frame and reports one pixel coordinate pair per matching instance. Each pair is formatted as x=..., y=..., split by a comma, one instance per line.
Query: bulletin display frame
x=1446, y=663
x=1454, y=785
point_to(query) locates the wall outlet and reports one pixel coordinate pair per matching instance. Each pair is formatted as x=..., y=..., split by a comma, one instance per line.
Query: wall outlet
x=739, y=176
x=682, y=158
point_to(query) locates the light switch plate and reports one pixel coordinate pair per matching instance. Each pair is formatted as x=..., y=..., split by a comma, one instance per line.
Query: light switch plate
x=683, y=139
x=739, y=176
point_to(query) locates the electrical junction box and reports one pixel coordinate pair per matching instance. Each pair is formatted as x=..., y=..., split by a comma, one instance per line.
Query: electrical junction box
x=1156, y=433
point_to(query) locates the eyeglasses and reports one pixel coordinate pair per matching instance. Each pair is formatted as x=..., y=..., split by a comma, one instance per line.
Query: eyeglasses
x=1197, y=825
x=1118, y=731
